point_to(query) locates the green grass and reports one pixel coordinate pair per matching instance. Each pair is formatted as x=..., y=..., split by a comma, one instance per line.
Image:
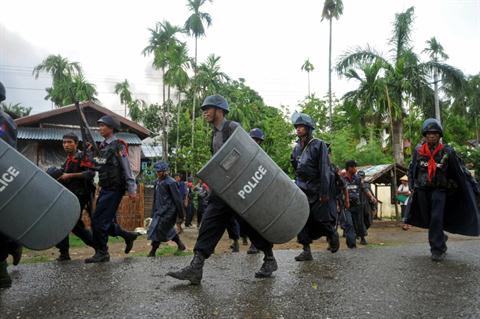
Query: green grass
x=35, y=259
x=164, y=251
x=77, y=242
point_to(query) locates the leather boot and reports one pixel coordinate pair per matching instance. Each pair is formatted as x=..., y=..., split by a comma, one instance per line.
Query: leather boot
x=193, y=272
x=363, y=241
x=129, y=238
x=180, y=244
x=252, y=250
x=16, y=252
x=64, y=256
x=235, y=246
x=334, y=242
x=305, y=255
x=5, y=280
x=153, y=251
x=268, y=267
x=100, y=256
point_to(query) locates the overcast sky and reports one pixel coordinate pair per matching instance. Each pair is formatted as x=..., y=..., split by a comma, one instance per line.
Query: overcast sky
x=263, y=41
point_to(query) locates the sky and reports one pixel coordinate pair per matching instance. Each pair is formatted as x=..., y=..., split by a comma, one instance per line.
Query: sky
x=263, y=41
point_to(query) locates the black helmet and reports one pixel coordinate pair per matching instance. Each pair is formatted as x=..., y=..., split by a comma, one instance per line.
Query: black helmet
x=216, y=101
x=3, y=95
x=257, y=133
x=432, y=125
x=302, y=119
x=110, y=121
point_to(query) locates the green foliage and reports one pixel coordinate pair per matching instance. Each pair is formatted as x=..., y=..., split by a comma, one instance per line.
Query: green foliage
x=318, y=111
x=16, y=110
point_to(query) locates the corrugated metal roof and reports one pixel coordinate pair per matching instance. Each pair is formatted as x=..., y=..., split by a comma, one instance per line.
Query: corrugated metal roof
x=56, y=134
x=151, y=151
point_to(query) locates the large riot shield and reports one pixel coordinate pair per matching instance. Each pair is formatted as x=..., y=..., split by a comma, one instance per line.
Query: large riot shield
x=35, y=209
x=250, y=182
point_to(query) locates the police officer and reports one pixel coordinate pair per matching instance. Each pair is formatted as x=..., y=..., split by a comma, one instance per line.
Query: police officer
x=203, y=193
x=313, y=175
x=8, y=132
x=167, y=206
x=218, y=213
x=443, y=191
x=77, y=175
x=367, y=200
x=115, y=177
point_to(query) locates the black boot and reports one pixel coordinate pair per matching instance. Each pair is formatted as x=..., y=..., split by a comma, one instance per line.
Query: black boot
x=334, y=242
x=305, y=255
x=244, y=241
x=153, y=251
x=193, y=272
x=129, y=238
x=252, y=250
x=235, y=246
x=100, y=256
x=363, y=241
x=64, y=256
x=16, y=251
x=438, y=257
x=268, y=267
x=5, y=280
x=180, y=245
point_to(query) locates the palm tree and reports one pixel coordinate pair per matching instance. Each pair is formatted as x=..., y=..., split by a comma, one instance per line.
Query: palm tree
x=436, y=53
x=405, y=77
x=123, y=90
x=162, y=41
x=331, y=9
x=210, y=77
x=195, y=27
x=308, y=67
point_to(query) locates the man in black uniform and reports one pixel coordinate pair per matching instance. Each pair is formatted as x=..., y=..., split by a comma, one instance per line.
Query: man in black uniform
x=314, y=176
x=76, y=175
x=218, y=213
x=115, y=177
x=8, y=132
x=443, y=191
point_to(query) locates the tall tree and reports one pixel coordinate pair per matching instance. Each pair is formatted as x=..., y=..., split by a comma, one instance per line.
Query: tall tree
x=436, y=53
x=209, y=76
x=162, y=41
x=123, y=91
x=331, y=9
x=308, y=67
x=405, y=77
x=195, y=26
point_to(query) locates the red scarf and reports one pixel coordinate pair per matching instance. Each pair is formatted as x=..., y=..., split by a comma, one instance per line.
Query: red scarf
x=432, y=165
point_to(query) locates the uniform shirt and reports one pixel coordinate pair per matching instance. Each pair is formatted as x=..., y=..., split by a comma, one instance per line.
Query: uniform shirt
x=129, y=180
x=218, y=134
x=354, y=187
x=76, y=163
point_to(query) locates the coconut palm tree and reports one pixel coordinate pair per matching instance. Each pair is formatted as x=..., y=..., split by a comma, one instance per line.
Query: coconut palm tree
x=210, y=77
x=308, y=67
x=123, y=91
x=405, y=77
x=195, y=26
x=331, y=9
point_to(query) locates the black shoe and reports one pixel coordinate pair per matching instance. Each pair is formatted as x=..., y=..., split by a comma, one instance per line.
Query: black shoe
x=268, y=267
x=99, y=257
x=192, y=273
x=152, y=253
x=5, y=280
x=235, y=246
x=16, y=254
x=438, y=257
x=64, y=257
x=306, y=255
x=244, y=241
x=334, y=243
x=363, y=241
x=132, y=236
x=252, y=250
x=181, y=246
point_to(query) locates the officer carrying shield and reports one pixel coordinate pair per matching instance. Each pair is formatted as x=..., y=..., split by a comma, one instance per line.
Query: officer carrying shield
x=115, y=177
x=218, y=213
x=313, y=175
x=167, y=206
x=8, y=132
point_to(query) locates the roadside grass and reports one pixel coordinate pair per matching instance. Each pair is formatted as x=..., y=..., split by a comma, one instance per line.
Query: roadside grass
x=164, y=251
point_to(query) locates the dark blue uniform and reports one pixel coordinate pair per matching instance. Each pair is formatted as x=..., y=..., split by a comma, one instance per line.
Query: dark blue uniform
x=315, y=177
x=115, y=177
x=167, y=206
x=355, y=190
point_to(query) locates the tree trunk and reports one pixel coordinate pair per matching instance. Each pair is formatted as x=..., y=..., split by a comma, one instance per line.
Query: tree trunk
x=397, y=141
x=194, y=99
x=308, y=83
x=179, y=107
x=437, y=101
x=330, y=77
x=164, y=120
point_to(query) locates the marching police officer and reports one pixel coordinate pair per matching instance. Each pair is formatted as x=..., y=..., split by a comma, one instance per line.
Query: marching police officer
x=115, y=177
x=218, y=213
x=167, y=206
x=76, y=175
x=443, y=191
x=8, y=132
x=313, y=175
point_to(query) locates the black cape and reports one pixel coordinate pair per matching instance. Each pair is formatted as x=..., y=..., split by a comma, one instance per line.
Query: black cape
x=462, y=215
